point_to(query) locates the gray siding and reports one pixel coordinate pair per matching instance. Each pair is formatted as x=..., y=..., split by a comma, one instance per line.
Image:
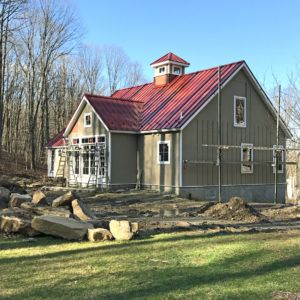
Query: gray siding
x=123, y=158
x=260, y=131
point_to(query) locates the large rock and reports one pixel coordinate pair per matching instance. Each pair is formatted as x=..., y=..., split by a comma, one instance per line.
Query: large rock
x=4, y=197
x=64, y=200
x=81, y=211
x=69, y=229
x=46, y=210
x=39, y=197
x=12, y=187
x=17, y=199
x=122, y=230
x=99, y=234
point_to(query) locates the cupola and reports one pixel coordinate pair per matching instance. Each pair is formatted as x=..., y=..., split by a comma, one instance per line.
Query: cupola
x=167, y=68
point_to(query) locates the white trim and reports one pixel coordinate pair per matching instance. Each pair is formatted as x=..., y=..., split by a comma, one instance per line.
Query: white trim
x=125, y=131
x=109, y=157
x=235, y=124
x=78, y=112
x=282, y=158
x=84, y=120
x=259, y=88
x=165, y=62
x=169, y=152
x=210, y=99
x=249, y=146
x=180, y=159
x=159, y=130
x=266, y=98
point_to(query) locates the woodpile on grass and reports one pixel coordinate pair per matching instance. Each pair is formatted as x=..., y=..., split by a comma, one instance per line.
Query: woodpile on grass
x=65, y=217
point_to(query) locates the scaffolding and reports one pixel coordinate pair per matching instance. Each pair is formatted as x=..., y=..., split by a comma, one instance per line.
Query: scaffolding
x=94, y=164
x=278, y=151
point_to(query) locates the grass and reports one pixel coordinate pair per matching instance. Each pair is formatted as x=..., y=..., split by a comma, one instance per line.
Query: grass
x=166, y=266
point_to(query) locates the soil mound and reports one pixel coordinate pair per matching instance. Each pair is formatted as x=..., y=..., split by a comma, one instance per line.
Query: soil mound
x=235, y=209
x=290, y=212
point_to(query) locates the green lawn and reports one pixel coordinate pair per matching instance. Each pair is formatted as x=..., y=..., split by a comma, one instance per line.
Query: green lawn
x=166, y=266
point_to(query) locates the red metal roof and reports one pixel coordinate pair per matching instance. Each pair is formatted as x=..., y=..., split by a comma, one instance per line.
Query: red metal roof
x=57, y=140
x=117, y=114
x=148, y=107
x=172, y=105
x=172, y=57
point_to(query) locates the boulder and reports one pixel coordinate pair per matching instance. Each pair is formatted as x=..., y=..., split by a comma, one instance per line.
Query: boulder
x=4, y=197
x=135, y=227
x=99, y=234
x=46, y=210
x=12, y=187
x=17, y=199
x=81, y=211
x=39, y=197
x=64, y=200
x=69, y=229
x=121, y=230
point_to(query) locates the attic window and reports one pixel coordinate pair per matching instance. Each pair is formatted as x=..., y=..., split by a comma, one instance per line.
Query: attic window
x=177, y=70
x=163, y=152
x=246, y=158
x=239, y=111
x=88, y=120
x=161, y=70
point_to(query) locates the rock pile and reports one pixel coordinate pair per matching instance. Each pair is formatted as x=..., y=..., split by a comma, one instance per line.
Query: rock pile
x=66, y=217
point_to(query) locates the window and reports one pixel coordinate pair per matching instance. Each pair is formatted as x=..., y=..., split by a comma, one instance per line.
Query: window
x=239, y=111
x=76, y=162
x=101, y=139
x=75, y=141
x=161, y=70
x=52, y=160
x=177, y=70
x=246, y=158
x=163, y=152
x=280, y=166
x=85, y=160
x=88, y=120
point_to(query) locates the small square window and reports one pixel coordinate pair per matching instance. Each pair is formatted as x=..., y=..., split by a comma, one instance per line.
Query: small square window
x=161, y=70
x=163, y=152
x=280, y=153
x=177, y=70
x=75, y=141
x=101, y=139
x=247, y=158
x=239, y=111
x=88, y=120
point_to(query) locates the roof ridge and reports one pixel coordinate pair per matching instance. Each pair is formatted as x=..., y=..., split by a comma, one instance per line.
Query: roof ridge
x=112, y=98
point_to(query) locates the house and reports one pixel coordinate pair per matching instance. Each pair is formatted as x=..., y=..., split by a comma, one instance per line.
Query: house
x=164, y=135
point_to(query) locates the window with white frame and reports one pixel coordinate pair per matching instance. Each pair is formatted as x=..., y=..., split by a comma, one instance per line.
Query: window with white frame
x=163, y=152
x=177, y=70
x=88, y=120
x=239, y=111
x=246, y=158
x=279, y=153
x=162, y=70
x=76, y=162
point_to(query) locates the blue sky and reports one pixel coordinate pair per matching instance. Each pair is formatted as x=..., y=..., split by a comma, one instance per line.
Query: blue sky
x=206, y=33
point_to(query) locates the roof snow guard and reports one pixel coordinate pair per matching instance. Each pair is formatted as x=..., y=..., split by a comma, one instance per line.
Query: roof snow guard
x=170, y=57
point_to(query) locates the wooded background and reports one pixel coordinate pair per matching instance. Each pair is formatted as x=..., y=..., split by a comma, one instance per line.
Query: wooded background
x=45, y=69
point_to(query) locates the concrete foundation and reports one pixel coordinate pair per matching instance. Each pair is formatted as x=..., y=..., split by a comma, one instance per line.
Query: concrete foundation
x=251, y=193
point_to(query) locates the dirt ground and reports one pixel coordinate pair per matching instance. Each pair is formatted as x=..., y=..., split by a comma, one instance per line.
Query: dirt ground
x=158, y=212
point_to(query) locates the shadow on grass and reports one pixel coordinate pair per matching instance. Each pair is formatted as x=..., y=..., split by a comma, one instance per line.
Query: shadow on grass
x=178, y=280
